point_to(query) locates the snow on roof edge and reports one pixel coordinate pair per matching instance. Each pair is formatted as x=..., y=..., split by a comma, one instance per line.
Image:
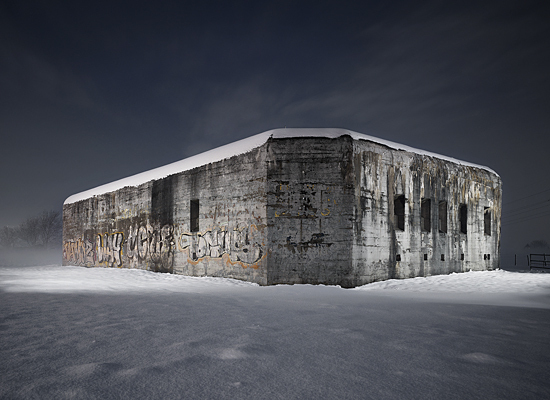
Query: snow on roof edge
x=243, y=146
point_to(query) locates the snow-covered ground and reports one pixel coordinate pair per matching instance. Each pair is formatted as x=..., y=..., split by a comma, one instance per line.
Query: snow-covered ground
x=72, y=332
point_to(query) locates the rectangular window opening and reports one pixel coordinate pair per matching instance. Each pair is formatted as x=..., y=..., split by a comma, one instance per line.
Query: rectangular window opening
x=462, y=257
x=463, y=215
x=443, y=216
x=442, y=257
x=425, y=257
x=487, y=221
x=425, y=215
x=399, y=212
x=194, y=207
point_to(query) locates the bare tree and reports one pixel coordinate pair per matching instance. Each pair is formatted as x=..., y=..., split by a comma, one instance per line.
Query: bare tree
x=8, y=236
x=29, y=231
x=43, y=229
x=49, y=226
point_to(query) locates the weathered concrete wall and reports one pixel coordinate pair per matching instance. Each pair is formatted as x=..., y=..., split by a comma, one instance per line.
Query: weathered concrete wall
x=313, y=210
x=310, y=210
x=148, y=227
x=383, y=251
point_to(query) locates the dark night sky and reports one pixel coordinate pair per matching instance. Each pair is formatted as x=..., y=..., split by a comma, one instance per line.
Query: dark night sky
x=90, y=93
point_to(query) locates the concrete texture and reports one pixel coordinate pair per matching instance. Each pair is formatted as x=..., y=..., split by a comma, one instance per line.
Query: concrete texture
x=319, y=210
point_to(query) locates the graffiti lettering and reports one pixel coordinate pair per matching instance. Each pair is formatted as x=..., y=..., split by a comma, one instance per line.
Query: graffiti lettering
x=109, y=248
x=79, y=252
x=317, y=241
x=155, y=245
x=241, y=245
x=161, y=248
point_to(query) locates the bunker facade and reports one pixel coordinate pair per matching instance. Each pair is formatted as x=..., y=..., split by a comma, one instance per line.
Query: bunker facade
x=318, y=206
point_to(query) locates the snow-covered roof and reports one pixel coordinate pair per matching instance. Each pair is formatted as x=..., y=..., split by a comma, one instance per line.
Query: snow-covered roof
x=244, y=146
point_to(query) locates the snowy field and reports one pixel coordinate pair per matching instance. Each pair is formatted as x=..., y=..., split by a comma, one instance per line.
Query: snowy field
x=72, y=332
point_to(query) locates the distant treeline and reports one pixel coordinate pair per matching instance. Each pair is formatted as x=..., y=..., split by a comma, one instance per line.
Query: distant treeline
x=43, y=230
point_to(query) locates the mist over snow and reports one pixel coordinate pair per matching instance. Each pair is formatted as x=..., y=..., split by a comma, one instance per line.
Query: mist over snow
x=74, y=279
x=91, y=333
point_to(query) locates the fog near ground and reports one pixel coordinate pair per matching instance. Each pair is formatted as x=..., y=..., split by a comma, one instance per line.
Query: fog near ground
x=73, y=332
x=30, y=256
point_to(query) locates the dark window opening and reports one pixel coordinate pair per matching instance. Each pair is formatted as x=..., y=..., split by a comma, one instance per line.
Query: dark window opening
x=443, y=217
x=462, y=257
x=399, y=212
x=194, y=215
x=486, y=257
x=425, y=257
x=425, y=215
x=487, y=221
x=442, y=257
x=463, y=214
x=398, y=257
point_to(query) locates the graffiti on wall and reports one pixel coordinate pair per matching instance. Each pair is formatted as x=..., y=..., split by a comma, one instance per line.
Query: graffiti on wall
x=317, y=241
x=109, y=248
x=79, y=252
x=156, y=247
x=242, y=246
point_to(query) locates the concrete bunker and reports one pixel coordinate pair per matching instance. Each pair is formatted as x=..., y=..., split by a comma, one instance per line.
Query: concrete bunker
x=318, y=206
